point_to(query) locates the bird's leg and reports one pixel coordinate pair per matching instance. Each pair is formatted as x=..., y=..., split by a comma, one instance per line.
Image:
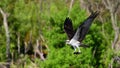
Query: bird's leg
x=74, y=48
x=78, y=49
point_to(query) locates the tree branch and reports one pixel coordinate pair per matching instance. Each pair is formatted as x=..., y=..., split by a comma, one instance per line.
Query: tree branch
x=71, y=3
x=106, y=4
x=38, y=52
x=116, y=7
x=18, y=42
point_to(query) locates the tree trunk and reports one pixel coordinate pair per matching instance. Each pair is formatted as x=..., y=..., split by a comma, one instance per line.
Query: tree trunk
x=8, y=54
x=18, y=42
x=116, y=29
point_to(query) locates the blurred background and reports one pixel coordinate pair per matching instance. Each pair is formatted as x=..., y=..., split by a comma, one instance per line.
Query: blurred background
x=32, y=34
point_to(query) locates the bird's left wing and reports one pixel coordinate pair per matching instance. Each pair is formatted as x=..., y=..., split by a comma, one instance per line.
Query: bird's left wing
x=68, y=28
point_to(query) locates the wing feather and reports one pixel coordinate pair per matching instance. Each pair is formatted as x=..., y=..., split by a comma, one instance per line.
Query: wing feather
x=68, y=28
x=84, y=27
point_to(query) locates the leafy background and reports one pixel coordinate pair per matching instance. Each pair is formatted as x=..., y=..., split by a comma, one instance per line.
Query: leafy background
x=46, y=18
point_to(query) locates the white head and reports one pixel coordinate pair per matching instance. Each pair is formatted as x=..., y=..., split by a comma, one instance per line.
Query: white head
x=67, y=41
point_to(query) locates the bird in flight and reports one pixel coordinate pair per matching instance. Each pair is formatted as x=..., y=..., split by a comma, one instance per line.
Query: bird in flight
x=75, y=38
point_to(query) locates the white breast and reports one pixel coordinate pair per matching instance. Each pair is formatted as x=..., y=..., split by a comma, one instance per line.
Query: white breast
x=74, y=42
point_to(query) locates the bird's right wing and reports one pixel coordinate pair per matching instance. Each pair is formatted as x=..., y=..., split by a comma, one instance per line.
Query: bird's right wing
x=84, y=27
x=68, y=28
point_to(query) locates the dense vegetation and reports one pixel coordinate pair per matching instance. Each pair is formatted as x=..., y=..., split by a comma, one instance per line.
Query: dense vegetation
x=31, y=20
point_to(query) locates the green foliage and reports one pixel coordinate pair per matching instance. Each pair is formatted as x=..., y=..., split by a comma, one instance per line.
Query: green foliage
x=61, y=54
x=48, y=19
x=64, y=58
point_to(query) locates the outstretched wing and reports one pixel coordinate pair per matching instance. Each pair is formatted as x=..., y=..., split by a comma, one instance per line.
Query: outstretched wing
x=84, y=27
x=68, y=28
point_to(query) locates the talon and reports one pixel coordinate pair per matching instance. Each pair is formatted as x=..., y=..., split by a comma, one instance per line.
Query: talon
x=74, y=52
x=77, y=52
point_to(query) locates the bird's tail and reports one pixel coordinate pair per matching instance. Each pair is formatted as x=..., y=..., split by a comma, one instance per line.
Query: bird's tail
x=84, y=45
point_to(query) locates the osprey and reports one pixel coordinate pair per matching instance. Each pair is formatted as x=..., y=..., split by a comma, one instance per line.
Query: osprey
x=76, y=37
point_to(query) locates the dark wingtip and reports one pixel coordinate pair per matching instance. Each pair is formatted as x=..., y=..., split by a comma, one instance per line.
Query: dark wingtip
x=67, y=20
x=95, y=14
